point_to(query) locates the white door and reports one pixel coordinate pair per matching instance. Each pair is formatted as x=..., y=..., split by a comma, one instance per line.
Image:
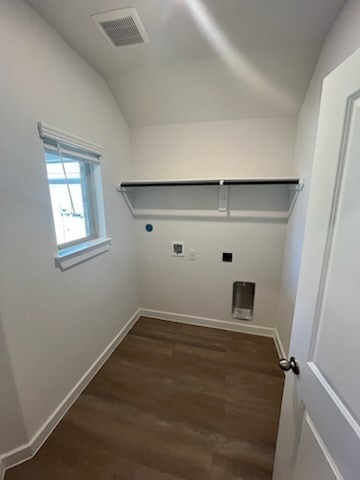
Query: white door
x=321, y=406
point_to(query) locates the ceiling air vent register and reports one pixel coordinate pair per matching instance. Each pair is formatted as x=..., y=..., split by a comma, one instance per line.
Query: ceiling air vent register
x=122, y=28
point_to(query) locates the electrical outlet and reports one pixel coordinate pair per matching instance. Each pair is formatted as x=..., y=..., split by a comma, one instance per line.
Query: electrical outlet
x=227, y=257
x=192, y=254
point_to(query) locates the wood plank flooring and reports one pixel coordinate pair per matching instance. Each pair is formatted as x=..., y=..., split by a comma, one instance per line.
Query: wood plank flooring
x=174, y=402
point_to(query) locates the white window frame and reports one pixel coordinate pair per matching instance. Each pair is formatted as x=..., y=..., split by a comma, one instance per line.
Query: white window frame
x=75, y=252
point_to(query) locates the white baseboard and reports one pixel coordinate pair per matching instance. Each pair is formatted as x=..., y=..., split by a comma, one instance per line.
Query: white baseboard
x=278, y=344
x=221, y=324
x=27, y=451
x=209, y=322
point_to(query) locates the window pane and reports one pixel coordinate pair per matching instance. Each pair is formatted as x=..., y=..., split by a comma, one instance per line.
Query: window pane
x=69, y=197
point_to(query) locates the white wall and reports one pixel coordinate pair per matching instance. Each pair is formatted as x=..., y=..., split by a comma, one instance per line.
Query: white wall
x=219, y=149
x=12, y=429
x=55, y=324
x=342, y=40
x=260, y=147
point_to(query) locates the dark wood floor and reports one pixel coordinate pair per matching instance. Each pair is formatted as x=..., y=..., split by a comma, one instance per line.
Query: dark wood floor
x=173, y=402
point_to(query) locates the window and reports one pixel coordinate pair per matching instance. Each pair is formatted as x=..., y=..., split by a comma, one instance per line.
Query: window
x=70, y=183
x=73, y=172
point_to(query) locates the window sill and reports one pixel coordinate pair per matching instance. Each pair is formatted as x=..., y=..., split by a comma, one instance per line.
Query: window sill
x=71, y=256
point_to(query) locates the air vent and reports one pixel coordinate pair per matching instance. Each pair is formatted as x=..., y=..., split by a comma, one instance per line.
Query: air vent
x=122, y=28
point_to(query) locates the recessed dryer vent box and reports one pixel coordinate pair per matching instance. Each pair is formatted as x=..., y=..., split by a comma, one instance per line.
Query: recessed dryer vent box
x=243, y=300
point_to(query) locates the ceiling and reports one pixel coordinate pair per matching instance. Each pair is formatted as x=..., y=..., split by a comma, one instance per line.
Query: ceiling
x=207, y=60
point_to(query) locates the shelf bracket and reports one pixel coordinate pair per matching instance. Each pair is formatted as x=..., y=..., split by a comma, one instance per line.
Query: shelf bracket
x=122, y=190
x=223, y=205
x=299, y=186
x=295, y=190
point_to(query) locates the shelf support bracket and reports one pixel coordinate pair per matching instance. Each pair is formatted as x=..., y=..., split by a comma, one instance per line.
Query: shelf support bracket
x=294, y=193
x=122, y=190
x=299, y=186
x=223, y=205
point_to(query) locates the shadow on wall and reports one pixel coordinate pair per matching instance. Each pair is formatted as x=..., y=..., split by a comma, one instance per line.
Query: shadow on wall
x=253, y=203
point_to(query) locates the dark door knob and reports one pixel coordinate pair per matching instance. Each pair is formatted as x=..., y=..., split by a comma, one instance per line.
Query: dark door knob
x=291, y=364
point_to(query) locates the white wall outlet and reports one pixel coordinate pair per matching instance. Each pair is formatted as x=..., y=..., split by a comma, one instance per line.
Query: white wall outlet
x=192, y=254
x=178, y=248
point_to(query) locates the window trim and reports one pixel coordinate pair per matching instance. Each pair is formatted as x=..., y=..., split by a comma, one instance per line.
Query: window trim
x=72, y=253
x=71, y=256
x=60, y=136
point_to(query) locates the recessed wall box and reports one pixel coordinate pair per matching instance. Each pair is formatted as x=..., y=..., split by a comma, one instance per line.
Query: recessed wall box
x=178, y=248
x=243, y=300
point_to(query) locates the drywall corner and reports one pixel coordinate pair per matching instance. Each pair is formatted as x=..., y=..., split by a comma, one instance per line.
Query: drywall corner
x=12, y=428
x=2, y=470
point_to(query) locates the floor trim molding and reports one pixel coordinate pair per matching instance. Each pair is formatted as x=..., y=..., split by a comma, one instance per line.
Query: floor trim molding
x=209, y=322
x=27, y=451
x=278, y=344
x=221, y=324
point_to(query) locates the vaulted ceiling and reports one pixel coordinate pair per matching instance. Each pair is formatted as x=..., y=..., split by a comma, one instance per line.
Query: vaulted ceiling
x=207, y=59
